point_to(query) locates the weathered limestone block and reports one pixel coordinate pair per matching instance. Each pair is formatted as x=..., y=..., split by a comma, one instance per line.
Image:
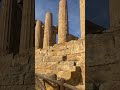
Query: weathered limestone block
x=64, y=74
x=62, y=21
x=74, y=57
x=69, y=63
x=37, y=52
x=18, y=87
x=20, y=61
x=103, y=73
x=40, y=53
x=65, y=68
x=53, y=58
x=61, y=52
x=47, y=30
x=60, y=46
x=52, y=52
x=89, y=86
x=71, y=77
x=29, y=78
x=79, y=45
x=100, y=46
x=43, y=51
x=81, y=57
x=67, y=51
x=103, y=58
x=76, y=48
x=15, y=87
x=115, y=85
x=5, y=87
x=19, y=69
x=39, y=59
x=81, y=87
x=5, y=64
x=61, y=58
x=51, y=67
x=11, y=80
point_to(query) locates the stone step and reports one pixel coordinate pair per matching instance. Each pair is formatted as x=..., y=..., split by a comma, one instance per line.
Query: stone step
x=68, y=73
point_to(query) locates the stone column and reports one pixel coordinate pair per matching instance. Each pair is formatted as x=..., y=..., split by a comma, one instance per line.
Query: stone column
x=7, y=25
x=27, y=28
x=82, y=18
x=38, y=35
x=62, y=21
x=82, y=34
x=47, y=30
x=114, y=8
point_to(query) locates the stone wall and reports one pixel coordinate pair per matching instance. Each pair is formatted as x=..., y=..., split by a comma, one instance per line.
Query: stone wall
x=65, y=60
x=17, y=72
x=103, y=61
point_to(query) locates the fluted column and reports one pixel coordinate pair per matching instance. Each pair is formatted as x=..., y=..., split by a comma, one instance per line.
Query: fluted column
x=27, y=29
x=62, y=21
x=82, y=18
x=6, y=25
x=82, y=34
x=39, y=35
x=114, y=8
x=47, y=30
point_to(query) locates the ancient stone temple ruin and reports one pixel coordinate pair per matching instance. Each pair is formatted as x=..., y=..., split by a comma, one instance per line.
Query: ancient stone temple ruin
x=28, y=44
x=29, y=52
x=65, y=58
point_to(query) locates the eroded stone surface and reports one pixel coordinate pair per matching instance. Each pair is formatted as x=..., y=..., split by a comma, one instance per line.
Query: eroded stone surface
x=66, y=60
x=103, y=60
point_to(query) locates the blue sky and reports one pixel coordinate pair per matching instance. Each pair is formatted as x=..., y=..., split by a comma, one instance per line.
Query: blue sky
x=96, y=11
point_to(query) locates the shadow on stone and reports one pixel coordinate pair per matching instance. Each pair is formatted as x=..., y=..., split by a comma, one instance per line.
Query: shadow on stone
x=76, y=77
